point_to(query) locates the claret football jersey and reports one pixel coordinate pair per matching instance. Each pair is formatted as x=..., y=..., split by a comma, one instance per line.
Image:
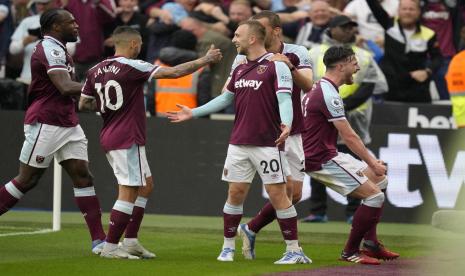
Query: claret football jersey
x=117, y=85
x=255, y=85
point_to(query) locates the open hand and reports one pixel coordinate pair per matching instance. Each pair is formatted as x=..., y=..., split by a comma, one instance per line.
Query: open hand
x=283, y=58
x=179, y=116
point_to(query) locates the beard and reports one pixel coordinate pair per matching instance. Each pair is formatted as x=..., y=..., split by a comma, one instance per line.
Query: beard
x=70, y=38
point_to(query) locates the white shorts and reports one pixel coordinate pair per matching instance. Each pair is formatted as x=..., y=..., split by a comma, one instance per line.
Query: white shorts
x=295, y=156
x=243, y=161
x=130, y=166
x=43, y=142
x=343, y=173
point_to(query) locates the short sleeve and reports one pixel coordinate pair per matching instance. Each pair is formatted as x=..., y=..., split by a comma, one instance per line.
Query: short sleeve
x=304, y=58
x=333, y=109
x=240, y=59
x=283, y=82
x=230, y=86
x=143, y=70
x=55, y=57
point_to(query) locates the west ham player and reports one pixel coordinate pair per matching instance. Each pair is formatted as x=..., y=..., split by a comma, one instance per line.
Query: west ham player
x=262, y=91
x=298, y=60
x=51, y=125
x=114, y=87
x=324, y=119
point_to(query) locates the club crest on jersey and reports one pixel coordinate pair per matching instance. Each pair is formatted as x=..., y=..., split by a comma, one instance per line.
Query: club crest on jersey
x=55, y=53
x=261, y=69
x=39, y=159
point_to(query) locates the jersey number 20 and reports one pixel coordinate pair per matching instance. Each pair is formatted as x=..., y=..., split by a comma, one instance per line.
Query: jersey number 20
x=105, y=97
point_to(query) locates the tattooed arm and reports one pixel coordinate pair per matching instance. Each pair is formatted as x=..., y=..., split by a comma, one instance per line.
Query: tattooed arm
x=212, y=56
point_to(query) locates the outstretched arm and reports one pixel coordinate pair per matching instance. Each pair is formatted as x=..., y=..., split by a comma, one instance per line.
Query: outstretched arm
x=212, y=56
x=355, y=144
x=217, y=104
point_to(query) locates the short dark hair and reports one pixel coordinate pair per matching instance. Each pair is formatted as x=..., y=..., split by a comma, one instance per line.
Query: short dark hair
x=256, y=28
x=125, y=30
x=272, y=17
x=48, y=18
x=336, y=54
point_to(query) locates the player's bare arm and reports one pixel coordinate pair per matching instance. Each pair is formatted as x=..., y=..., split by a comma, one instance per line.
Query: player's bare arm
x=285, y=131
x=64, y=84
x=355, y=144
x=87, y=104
x=212, y=56
x=302, y=77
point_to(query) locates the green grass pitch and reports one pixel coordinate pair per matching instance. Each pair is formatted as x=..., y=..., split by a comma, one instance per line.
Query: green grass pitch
x=185, y=245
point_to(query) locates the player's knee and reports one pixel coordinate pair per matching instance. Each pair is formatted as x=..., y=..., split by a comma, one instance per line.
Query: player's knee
x=83, y=179
x=375, y=201
x=296, y=197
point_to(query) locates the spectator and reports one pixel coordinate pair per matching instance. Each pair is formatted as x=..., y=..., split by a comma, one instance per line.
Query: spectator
x=191, y=90
x=128, y=15
x=290, y=29
x=411, y=52
x=456, y=84
x=26, y=37
x=368, y=27
x=311, y=33
x=445, y=19
x=91, y=16
x=239, y=10
x=206, y=37
x=6, y=29
x=357, y=100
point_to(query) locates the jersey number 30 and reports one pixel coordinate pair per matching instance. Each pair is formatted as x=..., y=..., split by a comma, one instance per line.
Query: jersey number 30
x=105, y=96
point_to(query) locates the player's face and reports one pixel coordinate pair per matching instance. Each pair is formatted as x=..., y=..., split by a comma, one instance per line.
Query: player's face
x=349, y=68
x=68, y=27
x=241, y=39
x=272, y=34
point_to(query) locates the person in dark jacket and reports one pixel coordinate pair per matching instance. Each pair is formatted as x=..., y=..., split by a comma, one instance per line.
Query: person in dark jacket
x=412, y=52
x=182, y=49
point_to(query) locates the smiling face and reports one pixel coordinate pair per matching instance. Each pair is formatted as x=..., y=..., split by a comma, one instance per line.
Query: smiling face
x=409, y=12
x=319, y=13
x=272, y=34
x=241, y=39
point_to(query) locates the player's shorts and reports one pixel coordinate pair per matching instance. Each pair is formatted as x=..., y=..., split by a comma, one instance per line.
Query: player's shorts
x=343, y=173
x=243, y=161
x=294, y=152
x=130, y=166
x=43, y=142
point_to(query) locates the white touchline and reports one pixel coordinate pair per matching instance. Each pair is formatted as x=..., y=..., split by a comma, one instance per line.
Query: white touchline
x=42, y=231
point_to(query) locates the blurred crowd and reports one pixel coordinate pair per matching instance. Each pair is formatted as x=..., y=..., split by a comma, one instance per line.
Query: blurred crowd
x=412, y=41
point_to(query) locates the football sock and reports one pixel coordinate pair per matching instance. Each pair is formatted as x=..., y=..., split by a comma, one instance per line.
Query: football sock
x=10, y=194
x=88, y=203
x=365, y=218
x=287, y=219
x=119, y=219
x=231, y=218
x=266, y=215
x=136, y=218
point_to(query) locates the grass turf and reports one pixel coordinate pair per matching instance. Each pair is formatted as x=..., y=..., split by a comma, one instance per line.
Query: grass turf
x=185, y=245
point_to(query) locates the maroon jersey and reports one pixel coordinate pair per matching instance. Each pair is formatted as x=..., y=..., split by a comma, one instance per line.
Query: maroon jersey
x=117, y=84
x=321, y=106
x=255, y=85
x=437, y=17
x=46, y=104
x=300, y=58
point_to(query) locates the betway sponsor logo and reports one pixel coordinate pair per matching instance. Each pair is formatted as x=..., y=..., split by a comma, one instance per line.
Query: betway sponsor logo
x=248, y=83
x=416, y=120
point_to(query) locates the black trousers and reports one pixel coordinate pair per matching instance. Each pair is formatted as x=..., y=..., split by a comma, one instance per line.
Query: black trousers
x=318, y=197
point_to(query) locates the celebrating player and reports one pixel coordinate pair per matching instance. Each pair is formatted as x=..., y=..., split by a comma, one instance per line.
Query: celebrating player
x=324, y=119
x=114, y=87
x=51, y=126
x=298, y=60
x=262, y=91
